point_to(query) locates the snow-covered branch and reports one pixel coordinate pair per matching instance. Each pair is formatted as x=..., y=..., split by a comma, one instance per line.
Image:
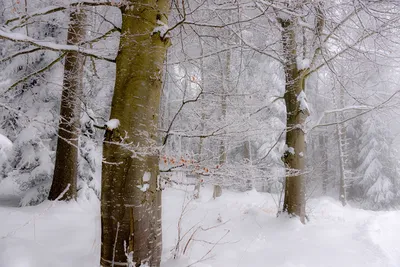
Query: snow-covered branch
x=366, y=108
x=35, y=73
x=18, y=37
x=53, y=9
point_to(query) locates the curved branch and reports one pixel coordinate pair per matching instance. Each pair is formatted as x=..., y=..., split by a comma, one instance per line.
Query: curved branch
x=54, y=9
x=23, y=52
x=358, y=115
x=184, y=102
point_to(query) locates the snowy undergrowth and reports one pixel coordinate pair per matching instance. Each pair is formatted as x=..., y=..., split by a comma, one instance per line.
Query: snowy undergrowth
x=237, y=229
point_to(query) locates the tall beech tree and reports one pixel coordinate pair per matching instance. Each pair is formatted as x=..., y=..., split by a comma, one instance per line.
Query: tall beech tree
x=131, y=199
x=294, y=202
x=298, y=57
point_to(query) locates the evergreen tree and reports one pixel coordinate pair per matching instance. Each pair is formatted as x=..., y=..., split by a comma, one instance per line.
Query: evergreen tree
x=376, y=171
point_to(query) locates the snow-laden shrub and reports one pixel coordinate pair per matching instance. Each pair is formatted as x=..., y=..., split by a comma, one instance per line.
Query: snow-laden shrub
x=36, y=194
x=30, y=165
x=89, y=161
x=376, y=172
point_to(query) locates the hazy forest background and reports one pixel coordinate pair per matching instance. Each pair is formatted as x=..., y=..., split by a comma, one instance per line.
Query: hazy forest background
x=146, y=110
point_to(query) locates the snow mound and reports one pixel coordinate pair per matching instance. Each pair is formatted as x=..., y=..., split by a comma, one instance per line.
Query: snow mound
x=5, y=143
x=112, y=124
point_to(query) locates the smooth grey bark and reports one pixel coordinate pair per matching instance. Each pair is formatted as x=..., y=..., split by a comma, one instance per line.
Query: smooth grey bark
x=131, y=197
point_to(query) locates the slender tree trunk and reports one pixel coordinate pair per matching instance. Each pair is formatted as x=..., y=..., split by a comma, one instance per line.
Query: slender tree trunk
x=131, y=199
x=248, y=160
x=341, y=137
x=222, y=150
x=294, y=201
x=342, y=189
x=197, y=186
x=66, y=165
x=225, y=76
x=324, y=157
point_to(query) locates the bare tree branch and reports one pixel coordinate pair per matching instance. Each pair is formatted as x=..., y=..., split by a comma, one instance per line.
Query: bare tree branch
x=23, y=52
x=35, y=73
x=53, y=9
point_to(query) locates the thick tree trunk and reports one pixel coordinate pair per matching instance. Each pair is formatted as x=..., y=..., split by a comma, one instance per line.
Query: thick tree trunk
x=66, y=165
x=294, y=201
x=131, y=199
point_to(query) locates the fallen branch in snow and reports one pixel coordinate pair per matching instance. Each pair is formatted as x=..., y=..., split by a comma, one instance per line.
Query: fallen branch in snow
x=203, y=229
x=210, y=250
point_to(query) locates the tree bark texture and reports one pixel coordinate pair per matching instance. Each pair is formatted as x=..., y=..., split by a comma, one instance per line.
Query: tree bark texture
x=66, y=165
x=131, y=199
x=294, y=201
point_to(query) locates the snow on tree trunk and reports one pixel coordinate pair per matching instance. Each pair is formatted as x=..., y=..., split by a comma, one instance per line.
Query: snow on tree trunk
x=342, y=144
x=131, y=199
x=66, y=165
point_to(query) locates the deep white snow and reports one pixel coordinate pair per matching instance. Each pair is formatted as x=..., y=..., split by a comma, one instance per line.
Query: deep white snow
x=237, y=229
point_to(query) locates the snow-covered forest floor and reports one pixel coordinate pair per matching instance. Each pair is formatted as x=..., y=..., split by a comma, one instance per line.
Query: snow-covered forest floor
x=238, y=229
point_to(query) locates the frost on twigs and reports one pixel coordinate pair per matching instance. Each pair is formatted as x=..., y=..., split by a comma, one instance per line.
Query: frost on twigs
x=112, y=124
